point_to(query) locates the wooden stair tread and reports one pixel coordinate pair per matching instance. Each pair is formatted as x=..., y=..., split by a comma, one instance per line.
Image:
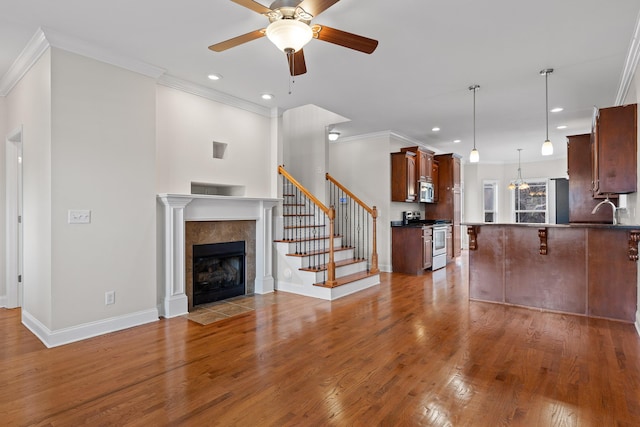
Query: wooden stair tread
x=307, y=239
x=320, y=252
x=342, y=263
x=340, y=281
x=291, y=227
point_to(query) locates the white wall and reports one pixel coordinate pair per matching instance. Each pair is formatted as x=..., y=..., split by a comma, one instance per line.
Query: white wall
x=102, y=159
x=29, y=104
x=306, y=148
x=3, y=134
x=475, y=173
x=359, y=165
x=188, y=124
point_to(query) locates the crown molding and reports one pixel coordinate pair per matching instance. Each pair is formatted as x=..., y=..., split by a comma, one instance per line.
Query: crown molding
x=214, y=95
x=45, y=38
x=23, y=63
x=630, y=65
x=81, y=47
x=385, y=134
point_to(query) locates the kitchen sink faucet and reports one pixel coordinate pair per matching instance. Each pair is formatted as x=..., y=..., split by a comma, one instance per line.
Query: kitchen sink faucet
x=606, y=201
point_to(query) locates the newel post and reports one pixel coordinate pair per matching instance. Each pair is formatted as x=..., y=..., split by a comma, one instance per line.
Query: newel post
x=374, y=254
x=331, y=266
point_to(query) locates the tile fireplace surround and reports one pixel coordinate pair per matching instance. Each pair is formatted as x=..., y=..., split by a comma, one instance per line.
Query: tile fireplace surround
x=177, y=209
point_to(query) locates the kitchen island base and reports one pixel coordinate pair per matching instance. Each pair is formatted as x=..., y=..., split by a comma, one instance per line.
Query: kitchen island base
x=578, y=269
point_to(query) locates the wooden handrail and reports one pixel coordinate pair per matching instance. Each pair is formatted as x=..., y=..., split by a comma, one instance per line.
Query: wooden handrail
x=283, y=172
x=353, y=196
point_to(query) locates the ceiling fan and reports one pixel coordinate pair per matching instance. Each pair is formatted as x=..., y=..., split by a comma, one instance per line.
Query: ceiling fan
x=290, y=29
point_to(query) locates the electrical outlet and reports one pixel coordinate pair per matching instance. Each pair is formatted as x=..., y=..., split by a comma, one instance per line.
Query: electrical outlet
x=109, y=297
x=79, y=216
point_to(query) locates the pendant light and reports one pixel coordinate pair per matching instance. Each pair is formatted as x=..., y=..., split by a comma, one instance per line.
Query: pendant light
x=474, y=156
x=547, y=146
x=518, y=183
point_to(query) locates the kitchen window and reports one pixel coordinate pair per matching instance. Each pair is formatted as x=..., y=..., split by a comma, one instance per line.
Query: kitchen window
x=490, y=200
x=530, y=205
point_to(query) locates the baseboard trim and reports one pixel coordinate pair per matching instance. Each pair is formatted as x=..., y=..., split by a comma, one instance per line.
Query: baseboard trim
x=87, y=330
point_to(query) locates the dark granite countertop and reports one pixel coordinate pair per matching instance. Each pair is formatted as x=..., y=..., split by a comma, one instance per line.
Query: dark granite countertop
x=572, y=225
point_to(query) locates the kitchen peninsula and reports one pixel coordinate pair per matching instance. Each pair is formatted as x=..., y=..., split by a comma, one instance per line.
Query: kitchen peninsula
x=585, y=269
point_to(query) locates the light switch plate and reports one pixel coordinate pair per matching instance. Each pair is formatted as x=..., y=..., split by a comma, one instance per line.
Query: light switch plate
x=79, y=216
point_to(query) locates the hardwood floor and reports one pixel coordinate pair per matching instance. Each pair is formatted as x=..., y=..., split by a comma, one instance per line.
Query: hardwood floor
x=413, y=351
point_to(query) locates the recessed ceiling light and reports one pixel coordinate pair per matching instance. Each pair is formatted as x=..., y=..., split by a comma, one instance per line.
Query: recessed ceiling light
x=562, y=127
x=266, y=96
x=557, y=109
x=435, y=129
x=214, y=77
x=455, y=141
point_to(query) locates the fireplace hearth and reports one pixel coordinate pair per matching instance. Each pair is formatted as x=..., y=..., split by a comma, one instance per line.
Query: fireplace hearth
x=218, y=271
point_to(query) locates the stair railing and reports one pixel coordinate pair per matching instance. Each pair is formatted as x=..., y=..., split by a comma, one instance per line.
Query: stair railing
x=353, y=219
x=302, y=211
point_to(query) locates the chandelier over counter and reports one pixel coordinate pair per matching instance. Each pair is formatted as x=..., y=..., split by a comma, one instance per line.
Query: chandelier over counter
x=518, y=183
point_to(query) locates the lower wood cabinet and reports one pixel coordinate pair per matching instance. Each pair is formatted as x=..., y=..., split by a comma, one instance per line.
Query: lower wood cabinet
x=411, y=249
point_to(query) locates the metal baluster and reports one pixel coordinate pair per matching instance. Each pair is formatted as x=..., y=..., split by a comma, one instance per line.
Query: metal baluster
x=297, y=217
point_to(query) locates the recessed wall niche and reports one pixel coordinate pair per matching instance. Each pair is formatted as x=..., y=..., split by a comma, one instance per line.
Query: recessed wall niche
x=209, y=189
x=219, y=148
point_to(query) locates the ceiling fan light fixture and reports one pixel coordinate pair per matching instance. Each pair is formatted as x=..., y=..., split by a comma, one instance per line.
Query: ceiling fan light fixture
x=289, y=34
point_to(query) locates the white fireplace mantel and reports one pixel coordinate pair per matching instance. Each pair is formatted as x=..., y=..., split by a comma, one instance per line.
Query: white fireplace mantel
x=179, y=208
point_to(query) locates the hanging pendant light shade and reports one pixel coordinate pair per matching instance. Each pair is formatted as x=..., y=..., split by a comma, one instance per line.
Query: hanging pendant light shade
x=474, y=156
x=547, y=146
x=518, y=183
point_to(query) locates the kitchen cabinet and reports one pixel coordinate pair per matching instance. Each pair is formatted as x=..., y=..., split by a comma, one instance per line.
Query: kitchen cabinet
x=427, y=252
x=449, y=243
x=411, y=249
x=435, y=170
x=614, y=150
x=424, y=162
x=403, y=182
x=581, y=201
x=449, y=196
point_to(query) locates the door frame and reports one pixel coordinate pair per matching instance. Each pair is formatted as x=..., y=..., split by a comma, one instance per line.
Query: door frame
x=13, y=218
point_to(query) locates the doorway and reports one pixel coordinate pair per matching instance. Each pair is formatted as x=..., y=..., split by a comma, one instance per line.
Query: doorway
x=14, y=236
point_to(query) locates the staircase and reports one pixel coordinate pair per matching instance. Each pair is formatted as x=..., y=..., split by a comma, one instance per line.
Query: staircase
x=319, y=256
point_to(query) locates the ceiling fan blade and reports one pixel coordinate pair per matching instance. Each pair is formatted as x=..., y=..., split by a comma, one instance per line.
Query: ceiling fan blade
x=228, y=44
x=316, y=7
x=297, y=64
x=253, y=5
x=342, y=38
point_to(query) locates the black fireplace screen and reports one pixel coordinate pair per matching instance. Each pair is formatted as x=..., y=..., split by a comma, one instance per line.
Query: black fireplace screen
x=218, y=271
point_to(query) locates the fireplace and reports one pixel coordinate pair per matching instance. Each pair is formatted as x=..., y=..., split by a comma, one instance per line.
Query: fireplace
x=218, y=271
x=193, y=219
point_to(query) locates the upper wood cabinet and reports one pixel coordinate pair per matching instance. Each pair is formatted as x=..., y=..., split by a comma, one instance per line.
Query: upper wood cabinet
x=424, y=162
x=615, y=150
x=435, y=172
x=581, y=201
x=403, y=177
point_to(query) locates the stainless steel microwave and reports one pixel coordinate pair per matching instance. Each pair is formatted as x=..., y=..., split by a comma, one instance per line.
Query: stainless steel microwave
x=426, y=192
